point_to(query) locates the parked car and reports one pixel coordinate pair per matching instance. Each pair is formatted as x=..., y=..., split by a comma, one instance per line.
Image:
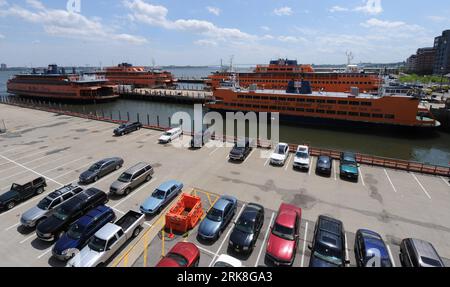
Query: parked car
x=132, y=178
x=370, y=250
x=108, y=240
x=419, y=253
x=241, y=150
x=20, y=193
x=302, y=158
x=45, y=207
x=218, y=218
x=67, y=213
x=246, y=231
x=101, y=169
x=280, y=154
x=200, y=139
x=127, y=128
x=328, y=246
x=324, y=165
x=170, y=135
x=349, y=166
x=183, y=254
x=81, y=231
x=226, y=261
x=162, y=196
x=284, y=237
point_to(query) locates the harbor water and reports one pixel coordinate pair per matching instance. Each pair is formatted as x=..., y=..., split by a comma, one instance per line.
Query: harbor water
x=432, y=148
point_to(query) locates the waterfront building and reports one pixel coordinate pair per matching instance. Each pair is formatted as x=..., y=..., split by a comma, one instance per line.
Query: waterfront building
x=442, y=59
x=422, y=62
x=3, y=67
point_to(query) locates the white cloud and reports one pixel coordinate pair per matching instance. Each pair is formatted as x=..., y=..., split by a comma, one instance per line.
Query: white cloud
x=283, y=11
x=3, y=3
x=206, y=43
x=391, y=25
x=372, y=7
x=338, y=9
x=265, y=28
x=291, y=39
x=2, y=36
x=214, y=10
x=438, y=19
x=65, y=24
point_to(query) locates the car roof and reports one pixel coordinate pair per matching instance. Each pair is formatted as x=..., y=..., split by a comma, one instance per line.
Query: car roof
x=168, y=184
x=322, y=157
x=302, y=148
x=282, y=144
x=137, y=167
x=348, y=154
x=173, y=130
x=330, y=224
x=63, y=190
x=286, y=215
x=373, y=240
x=329, y=239
x=184, y=249
x=249, y=213
x=424, y=249
x=221, y=204
x=92, y=214
x=106, y=231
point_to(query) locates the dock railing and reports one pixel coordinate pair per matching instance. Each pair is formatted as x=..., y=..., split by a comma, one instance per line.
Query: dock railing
x=398, y=164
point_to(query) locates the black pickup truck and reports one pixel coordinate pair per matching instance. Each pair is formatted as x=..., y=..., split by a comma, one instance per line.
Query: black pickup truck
x=20, y=193
x=127, y=128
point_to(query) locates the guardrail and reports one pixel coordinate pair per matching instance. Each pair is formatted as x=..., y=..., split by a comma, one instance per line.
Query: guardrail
x=398, y=164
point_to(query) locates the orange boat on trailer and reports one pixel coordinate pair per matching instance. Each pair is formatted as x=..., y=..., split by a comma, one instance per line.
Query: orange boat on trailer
x=139, y=77
x=56, y=84
x=279, y=73
x=300, y=104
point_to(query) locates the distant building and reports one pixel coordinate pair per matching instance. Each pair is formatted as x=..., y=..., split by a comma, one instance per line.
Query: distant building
x=442, y=59
x=3, y=67
x=422, y=62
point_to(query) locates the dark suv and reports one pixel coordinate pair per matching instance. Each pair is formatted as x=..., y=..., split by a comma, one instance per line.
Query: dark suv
x=241, y=150
x=419, y=253
x=328, y=246
x=54, y=227
x=127, y=128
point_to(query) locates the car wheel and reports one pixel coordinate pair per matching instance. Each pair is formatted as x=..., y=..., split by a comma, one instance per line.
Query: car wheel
x=96, y=179
x=127, y=191
x=160, y=209
x=59, y=235
x=148, y=178
x=40, y=221
x=137, y=231
x=121, y=134
x=11, y=205
x=40, y=190
x=117, y=167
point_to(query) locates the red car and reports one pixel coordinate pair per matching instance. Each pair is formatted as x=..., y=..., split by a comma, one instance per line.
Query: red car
x=284, y=236
x=183, y=254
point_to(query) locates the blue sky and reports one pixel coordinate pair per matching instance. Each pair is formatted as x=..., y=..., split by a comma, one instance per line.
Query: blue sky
x=201, y=32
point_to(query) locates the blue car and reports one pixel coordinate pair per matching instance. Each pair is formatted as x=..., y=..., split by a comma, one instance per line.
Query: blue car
x=163, y=195
x=218, y=218
x=81, y=231
x=349, y=166
x=370, y=250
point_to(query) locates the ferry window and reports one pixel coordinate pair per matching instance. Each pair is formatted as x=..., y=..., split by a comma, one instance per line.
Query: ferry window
x=364, y=115
x=366, y=104
x=343, y=113
x=273, y=98
x=353, y=114
x=273, y=107
x=354, y=103
x=331, y=112
x=301, y=100
x=320, y=111
x=291, y=99
x=232, y=105
x=226, y=104
x=248, y=106
x=309, y=110
x=240, y=105
x=248, y=97
x=241, y=96
x=331, y=101
x=343, y=102
x=380, y=116
x=264, y=98
x=300, y=109
x=389, y=116
x=321, y=101
x=282, y=99
x=311, y=100
x=282, y=108
x=255, y=106
x=291, y=109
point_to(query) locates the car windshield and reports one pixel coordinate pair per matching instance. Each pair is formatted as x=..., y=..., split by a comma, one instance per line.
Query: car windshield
x=430, y=261
x=44, y=204
x=97, y=244
x=168, y=134
x=280, y=149
x=323, y=160
x=125, y=177
x=181, y=261
x=215, y=215
x=244, y=225
x=95, y=167
x=349, y=160
x=61, y=213
x=75, y=231
x=327, y=254
x=302, y=154
x=159, y=194
x=122, y=126
x=283, y=231
x=222, y=264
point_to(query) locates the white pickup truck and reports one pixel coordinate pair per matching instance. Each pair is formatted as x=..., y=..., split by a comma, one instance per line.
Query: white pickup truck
x=105, y=243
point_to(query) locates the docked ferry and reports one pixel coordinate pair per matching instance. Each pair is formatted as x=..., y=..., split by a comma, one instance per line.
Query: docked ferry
x=55, y=84
x=280, y=72
x=139, y=77
x=299, y=103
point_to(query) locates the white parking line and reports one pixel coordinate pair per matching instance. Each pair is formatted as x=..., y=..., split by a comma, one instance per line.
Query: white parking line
x=288, y=163
x=103, y=178
x=267, y=161
x=421, y=186
x=346, y=248
x=390, y=181
x=41, y=175
x=12, y=226
x=206, y=250
x=265, y=239
x=226, y=237
x=253, y=150
x=31, y=161
x=446, y=181
x=83, y=166
x=28, y=238
x=134, y=192
x=362, y=176
x=390, y=255
x=311, y=166
x=334, y=169
x=304, y=244
x=45, y=253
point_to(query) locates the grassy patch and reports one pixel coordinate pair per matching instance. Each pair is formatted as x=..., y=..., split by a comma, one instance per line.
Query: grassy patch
x=413, y=78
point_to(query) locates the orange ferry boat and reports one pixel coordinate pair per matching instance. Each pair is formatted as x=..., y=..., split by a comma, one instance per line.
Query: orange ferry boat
x=300, y=104
x=139, y=77
x=279, y=73
x=56, y=84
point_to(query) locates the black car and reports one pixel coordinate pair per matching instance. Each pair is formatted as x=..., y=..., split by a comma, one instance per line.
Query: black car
x=370, y=250
x=200, y=139
x=127, y=128
x=324, y=165
x=245, y=233
x=328, y=246
x=67, y=213
x=20, y=193
x=100, y=169
x=241, y=150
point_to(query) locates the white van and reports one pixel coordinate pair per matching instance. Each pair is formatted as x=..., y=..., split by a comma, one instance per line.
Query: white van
x=170, y=135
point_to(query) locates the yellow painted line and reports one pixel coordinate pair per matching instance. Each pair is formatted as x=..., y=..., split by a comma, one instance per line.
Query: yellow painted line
x=125, y=263
x=163, y=243
x=209, y=198
x=145, y=250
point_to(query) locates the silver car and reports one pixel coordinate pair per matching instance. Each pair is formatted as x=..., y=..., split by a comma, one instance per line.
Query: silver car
x=132, y=178
x=33, y=216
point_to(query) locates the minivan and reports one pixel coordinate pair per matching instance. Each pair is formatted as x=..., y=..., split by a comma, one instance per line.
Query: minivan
x=132, y=178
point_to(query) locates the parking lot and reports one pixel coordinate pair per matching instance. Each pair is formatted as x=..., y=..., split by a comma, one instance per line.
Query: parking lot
x=394, y=203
